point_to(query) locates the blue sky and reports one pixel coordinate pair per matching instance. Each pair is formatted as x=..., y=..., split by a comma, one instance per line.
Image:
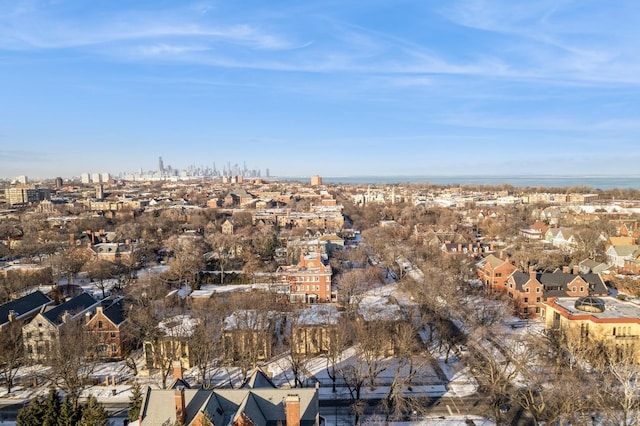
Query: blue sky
x=337, y=88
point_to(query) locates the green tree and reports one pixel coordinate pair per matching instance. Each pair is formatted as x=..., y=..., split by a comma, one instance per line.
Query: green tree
x=51, y=408
x=135, y=402
x=68, y=413
x=93, y=414
x=32, y=414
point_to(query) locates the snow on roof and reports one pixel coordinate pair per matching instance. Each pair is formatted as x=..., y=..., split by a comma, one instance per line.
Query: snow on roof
x=318, y=314
x=178, y=326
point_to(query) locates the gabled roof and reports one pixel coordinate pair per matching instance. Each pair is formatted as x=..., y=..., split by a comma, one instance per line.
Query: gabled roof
x=222, y=406
x=24, y=305
x=73, y=306
x=115, y=312
x=624, y=251
x=556, y=284
x=258, y=380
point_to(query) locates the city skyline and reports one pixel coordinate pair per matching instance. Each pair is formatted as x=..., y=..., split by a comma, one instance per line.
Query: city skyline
x=364, y=88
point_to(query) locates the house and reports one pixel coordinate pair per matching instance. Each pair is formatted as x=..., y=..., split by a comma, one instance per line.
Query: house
x=618, y=256
x=106, y=326
x=249, y=334
x=469, y=249
x=43, y=331
x=171, y=342
x=526, y=292
x=590, y=266
x=529, y=290
x=493, y=271
x=23, y=309
x=113, y=252
x=561, y=238
x=309, y=281
x=228, y=227
x=230, y=407
x=313, y=329
x=606, y=320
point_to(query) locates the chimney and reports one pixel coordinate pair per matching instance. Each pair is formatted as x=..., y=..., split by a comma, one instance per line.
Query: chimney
x=565, y=269
x=72, y=240
x=181, y=414
x=501, y=254
x=66, y=317
x=87, y=317
x=292, y=410
x=459, y=248
x=177, y=370
x=532, y=272
x=576, y=269
x=12, y=316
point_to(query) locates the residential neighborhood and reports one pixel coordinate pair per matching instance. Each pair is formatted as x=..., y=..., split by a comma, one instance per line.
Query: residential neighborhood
x=254, y=301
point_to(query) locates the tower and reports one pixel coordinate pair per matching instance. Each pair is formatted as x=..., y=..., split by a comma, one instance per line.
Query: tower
x=160, y=165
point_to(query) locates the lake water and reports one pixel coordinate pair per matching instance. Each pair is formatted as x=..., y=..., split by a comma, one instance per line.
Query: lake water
x=596, y=182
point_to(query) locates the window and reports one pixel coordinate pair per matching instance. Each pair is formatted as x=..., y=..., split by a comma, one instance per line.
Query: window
x=526, y=300
x=29, y=336
x=537, y=300
x=574, y=288
x=114, y=349
x=526, y=290
x=498, y=274
x=113, y=334
x=537, y=289
x=99, y=324
x=537, y=310
x=581, y=289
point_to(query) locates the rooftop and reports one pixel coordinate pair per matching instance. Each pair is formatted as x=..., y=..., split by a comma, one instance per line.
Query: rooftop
x=614, y=308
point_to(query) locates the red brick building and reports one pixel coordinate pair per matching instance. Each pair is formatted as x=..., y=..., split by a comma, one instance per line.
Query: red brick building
x=106, y=327
x=494, y=271
x=309, y=281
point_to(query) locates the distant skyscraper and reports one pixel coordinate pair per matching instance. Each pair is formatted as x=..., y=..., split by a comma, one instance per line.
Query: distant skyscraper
x=59, y=183
x=316, y=180
x=104, y=177
x=85, y=178
x=22, y=180
x=267, y=173
x=95, y=178
x=160, y=165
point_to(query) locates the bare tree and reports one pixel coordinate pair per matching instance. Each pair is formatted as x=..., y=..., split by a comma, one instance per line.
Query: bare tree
x=10, y=352
x=396, y=403
x=70, y=359
x=188, y=258
x=339, y=340
x=222, y=246
x=205, y=344
x=99, y=271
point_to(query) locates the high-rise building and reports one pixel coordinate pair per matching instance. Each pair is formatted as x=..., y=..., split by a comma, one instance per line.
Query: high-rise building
x=160, y=165
x=95, y=178
x=85, y=178
x=104, y=177
x=22, y=180
x=23, y=194
x=316, y=180
x=59, y=183
x=100, y=192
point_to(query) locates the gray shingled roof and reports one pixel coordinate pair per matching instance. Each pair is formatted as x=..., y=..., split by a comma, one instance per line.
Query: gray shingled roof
x=73, y=306
x=115, y=312
x=24, y=305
